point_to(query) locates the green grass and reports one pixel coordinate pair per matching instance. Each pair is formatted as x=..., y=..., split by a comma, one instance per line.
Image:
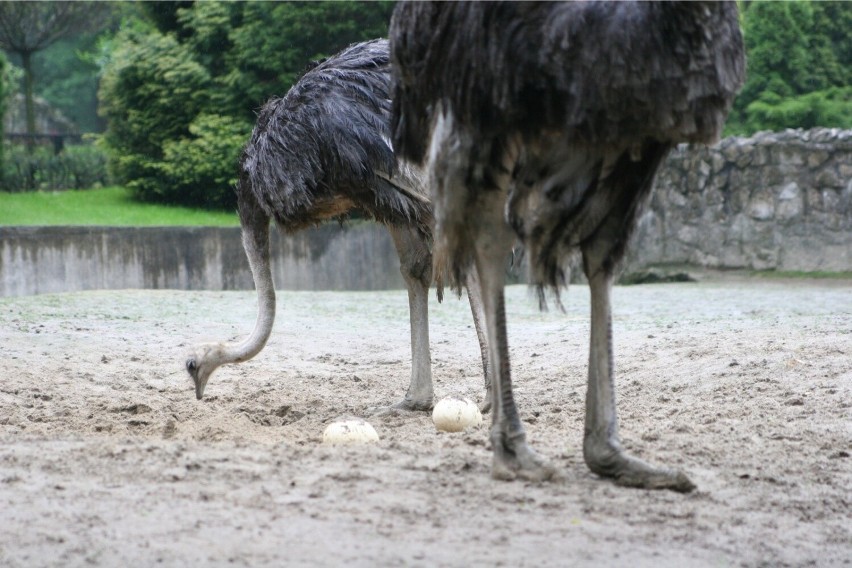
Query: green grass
x=110, y=206
x=787, y=274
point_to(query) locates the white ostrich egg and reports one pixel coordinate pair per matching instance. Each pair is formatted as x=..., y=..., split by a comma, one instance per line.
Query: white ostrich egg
x=456, y=414
x=349, y=431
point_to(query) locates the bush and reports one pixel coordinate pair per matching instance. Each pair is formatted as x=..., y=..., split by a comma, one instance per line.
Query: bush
x=202, y=169
x=829, y=108
x=150, y=93
x=82, y=166
x=798, y=66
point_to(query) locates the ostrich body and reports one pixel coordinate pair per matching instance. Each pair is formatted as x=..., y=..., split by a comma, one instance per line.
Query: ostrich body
x=322, y=152
x=547, y=122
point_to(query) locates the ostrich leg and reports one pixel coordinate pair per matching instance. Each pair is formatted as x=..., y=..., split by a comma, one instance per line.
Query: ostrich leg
x=415, y=262
x=478, y=311
x=602, y=449
x=512, y=457
x=206, y=358
x=416, y=266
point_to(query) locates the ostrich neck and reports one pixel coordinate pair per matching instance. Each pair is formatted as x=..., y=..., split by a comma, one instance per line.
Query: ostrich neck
x=258, y=256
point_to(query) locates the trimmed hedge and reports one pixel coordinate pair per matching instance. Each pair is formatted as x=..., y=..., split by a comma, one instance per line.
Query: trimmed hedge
x=82, y=166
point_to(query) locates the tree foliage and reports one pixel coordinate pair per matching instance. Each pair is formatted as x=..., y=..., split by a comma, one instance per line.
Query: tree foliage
x=67, y=76
x=265, y=62
x=799, y=66
x=181, y=89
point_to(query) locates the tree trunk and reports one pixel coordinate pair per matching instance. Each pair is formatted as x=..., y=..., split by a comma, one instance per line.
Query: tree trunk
x=4, y=91
x=26, y=63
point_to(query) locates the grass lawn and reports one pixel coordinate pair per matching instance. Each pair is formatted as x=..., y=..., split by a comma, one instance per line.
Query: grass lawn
x=787, y=274
x=109, y=206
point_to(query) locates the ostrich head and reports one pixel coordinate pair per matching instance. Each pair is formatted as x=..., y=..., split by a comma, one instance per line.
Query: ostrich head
x=201, y=363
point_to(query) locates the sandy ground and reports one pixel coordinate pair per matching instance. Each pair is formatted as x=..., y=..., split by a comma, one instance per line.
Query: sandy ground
x=107, y=459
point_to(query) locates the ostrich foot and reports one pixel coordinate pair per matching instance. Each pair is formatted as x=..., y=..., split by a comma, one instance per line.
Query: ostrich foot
x=405, y=406
x=513, y=458
x=627, y=471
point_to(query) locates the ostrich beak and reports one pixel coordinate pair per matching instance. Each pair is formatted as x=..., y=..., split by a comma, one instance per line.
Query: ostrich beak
x=200, y=383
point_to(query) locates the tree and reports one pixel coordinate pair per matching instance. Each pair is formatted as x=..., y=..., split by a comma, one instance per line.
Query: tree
x=4, y=93
x=68, y=78
x=264, y=60
x=151, y=92
x=799, y=66
x=29, y=27
x=181, y=88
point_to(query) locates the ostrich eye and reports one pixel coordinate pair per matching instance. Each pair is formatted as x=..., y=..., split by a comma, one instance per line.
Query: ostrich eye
x=190, y=365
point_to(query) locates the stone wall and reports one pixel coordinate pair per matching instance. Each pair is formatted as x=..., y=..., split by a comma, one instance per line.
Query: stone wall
x=35, y=260
x=775, y=201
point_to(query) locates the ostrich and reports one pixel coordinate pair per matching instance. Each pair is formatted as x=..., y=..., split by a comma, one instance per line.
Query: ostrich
x=322, y=152
x=547, y=122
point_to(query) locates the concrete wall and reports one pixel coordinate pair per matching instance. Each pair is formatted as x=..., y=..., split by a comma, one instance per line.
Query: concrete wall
x=779, y=201
x=35, y=260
